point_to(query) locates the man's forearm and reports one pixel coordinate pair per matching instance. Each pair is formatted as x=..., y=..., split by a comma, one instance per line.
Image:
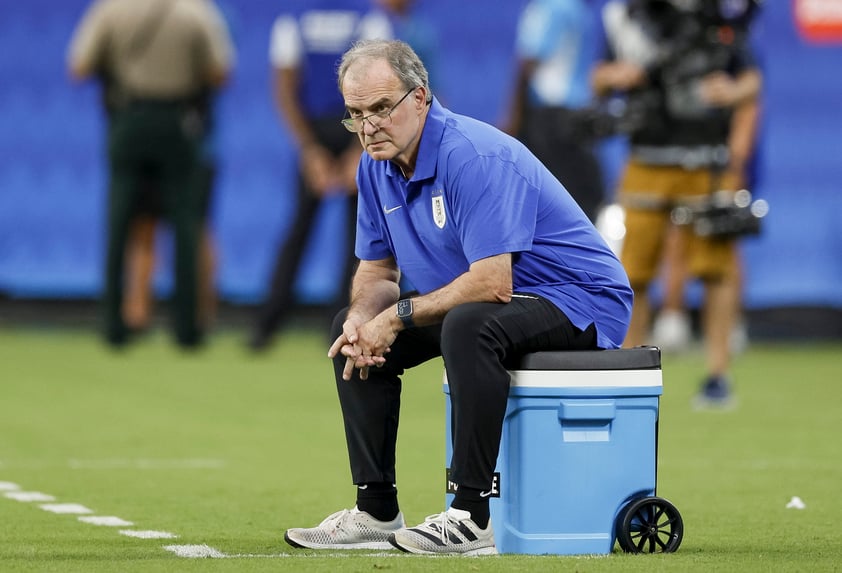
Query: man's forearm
x=488, y=280
x=374, y=288
x=742, y=137
x=747, y=87
x=286, y=83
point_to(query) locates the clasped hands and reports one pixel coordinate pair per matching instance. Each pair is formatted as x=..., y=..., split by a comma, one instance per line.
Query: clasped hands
x=363, y=345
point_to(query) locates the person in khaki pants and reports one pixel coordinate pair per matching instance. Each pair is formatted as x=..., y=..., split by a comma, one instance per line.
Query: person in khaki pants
x=157, y=60
x=694, y=96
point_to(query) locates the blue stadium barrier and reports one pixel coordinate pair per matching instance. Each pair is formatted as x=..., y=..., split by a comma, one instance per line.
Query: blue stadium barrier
x=52, y=181
x=796, y=261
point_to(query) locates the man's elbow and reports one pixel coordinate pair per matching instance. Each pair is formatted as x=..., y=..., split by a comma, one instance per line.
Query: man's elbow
x=502, y=293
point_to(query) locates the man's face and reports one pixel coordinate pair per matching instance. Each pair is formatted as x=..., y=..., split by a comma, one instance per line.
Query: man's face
x=371, y=87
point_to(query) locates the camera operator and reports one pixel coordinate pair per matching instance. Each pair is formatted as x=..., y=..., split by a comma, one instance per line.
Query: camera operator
x=691, y=85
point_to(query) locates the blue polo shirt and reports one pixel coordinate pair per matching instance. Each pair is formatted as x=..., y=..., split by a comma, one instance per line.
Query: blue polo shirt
x=476, y=193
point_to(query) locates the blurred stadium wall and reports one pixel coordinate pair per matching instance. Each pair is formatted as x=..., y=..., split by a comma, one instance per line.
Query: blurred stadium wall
x=52, y=183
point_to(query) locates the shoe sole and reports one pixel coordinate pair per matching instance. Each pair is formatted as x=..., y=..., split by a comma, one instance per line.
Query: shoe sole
x=371, y=545
x=415, y=551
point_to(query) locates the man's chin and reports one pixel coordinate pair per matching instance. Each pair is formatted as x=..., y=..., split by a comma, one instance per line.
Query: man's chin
x=380, y=151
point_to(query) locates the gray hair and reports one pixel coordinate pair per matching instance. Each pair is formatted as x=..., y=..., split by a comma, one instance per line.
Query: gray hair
x=403, y=60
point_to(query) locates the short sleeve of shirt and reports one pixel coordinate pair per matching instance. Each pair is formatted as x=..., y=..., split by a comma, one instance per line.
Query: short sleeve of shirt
x=494, y=207
x=534, y=38
x=369, y=244
x=220, y=47
x=744, y=57
x=625, y=39
x=285, y=48
x=88, y=43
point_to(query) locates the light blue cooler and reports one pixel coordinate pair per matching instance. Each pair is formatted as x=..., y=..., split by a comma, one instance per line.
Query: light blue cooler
x=579, y=443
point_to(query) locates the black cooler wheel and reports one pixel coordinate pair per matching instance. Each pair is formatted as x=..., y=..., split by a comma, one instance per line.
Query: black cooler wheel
x=649, y=525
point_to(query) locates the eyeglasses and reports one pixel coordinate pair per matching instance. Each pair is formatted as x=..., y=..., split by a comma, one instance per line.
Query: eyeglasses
x=377, y=119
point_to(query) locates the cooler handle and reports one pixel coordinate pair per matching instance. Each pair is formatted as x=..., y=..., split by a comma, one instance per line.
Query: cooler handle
x=583, y=410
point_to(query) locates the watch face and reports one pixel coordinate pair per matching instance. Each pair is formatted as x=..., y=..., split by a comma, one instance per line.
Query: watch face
x=404, y=308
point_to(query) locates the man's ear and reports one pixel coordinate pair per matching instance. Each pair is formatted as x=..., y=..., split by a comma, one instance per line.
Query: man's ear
x=420, y=97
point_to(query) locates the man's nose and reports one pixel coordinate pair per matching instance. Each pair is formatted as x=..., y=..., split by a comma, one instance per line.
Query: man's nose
x=369, y=128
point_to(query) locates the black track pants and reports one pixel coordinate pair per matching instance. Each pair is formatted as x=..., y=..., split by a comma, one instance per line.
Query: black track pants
x=477, y=341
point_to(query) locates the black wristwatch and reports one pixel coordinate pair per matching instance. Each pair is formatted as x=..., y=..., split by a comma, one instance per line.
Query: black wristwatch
x=405, y=312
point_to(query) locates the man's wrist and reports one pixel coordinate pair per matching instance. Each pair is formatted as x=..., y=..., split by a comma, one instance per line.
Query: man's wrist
x=405, y=312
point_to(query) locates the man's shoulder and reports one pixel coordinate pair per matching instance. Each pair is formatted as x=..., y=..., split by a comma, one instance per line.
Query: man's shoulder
x=103, y=15
x=477, y=152
x=475, y=136
x=463, y=127
x=107, y=8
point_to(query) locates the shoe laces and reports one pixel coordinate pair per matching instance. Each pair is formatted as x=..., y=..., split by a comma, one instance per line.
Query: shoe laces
x=336, y=521
x=441, y=523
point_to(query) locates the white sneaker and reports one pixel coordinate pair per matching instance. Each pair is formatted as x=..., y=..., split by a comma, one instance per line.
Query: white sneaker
x=346, y=529
x=451, y=532
x=672, y=331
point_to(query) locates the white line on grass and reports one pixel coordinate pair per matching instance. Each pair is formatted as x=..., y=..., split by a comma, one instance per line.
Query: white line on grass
x=147, y=534
x=355, y=553
x=107, y=520
x=66, y=508
x=28, y=496
x=195, y=551
x=205, y=551
x=12, y=491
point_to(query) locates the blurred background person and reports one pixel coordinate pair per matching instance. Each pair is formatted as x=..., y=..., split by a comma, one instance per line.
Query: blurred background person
x=157, y=61
x=307, y=41
x=685, y=69
x=672, y=328
x=141, y=256
x=556, y=48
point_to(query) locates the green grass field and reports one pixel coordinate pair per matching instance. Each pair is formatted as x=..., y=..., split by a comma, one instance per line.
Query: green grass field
x=225, y=449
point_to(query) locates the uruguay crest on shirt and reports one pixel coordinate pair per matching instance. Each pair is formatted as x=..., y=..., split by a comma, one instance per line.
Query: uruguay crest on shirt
x=439, y=214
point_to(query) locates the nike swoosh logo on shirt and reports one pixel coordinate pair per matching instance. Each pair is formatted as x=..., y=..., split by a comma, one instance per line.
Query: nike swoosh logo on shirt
x=486, y=493
x=392, y=210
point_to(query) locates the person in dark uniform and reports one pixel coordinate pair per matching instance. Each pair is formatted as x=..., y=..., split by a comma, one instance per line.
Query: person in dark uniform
x=139, y=299
x=157, y=59
x=304, y=58
x=505, y=263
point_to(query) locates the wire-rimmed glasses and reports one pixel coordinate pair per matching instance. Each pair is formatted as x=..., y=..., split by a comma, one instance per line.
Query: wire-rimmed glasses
x=377, y=119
